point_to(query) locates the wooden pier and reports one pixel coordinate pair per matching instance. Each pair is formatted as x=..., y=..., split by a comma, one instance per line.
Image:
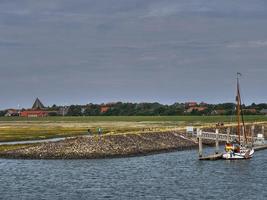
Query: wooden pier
x=257, y=142
x=261, y=147
x=212, y=157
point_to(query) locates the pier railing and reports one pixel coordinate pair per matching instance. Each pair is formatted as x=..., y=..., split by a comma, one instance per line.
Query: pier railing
x=226, y=138
x=219, y=137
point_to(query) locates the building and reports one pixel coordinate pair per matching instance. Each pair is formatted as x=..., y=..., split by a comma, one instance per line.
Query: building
x=250, y=111
x=12, y=113
x=34, y=113
x=263, y=111
x=190, y=104
x=104, y=109
x=38, y=105
x=63, y=110
x=37, y=110
x=203, y=104
x=199, y=109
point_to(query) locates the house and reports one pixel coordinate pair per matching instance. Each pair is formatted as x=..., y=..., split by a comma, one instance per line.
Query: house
x=104, y=108
x=37, y=110
x=63, y=110
x=190, y=104
x=199, y=109
x=203, y=104
x=12, y=112
x=34, y=113
x=38, y=105
x=250, y=111
x=263, y=111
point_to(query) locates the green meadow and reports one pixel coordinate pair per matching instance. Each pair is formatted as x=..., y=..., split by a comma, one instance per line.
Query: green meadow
x=18, y=128
x=207, y=119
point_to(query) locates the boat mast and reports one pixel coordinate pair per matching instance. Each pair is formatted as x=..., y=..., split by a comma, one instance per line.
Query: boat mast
x=238, y=108
x=240, y=112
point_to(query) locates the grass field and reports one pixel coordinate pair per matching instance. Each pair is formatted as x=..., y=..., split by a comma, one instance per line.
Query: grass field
x=207, y=119
x=17, y=128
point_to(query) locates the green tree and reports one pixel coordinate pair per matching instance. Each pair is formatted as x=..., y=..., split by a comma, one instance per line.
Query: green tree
x=2, y=113
x=74, y=110
x=92, y=110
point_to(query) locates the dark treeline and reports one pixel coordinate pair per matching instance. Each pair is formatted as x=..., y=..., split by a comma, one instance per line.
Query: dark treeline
x=126, y=109
x=157, y=109
x=2, y=113
x=151, y=109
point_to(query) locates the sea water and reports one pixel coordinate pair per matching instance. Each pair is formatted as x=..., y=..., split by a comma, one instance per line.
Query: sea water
x=175, y=175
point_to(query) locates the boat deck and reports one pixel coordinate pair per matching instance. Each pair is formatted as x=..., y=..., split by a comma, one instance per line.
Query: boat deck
x=219, y=155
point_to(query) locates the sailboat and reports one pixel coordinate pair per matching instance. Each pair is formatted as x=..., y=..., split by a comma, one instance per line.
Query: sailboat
x=240, y=148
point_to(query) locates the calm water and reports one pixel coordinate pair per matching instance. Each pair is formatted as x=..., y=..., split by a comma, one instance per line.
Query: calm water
x=176, y=175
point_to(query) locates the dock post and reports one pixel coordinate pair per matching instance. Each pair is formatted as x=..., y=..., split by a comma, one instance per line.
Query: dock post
x=242, y=135
x=217, y=142
x=252, y=134
x=200, y=148
x=228, y=135
x=262, y=131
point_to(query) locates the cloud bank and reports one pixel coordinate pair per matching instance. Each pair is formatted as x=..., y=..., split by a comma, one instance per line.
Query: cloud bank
x=82, y=51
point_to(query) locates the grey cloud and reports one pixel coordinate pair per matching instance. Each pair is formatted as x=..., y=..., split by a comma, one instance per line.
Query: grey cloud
x=214, y=8
x=8, y=43
x=248, y=44
x=130, y=50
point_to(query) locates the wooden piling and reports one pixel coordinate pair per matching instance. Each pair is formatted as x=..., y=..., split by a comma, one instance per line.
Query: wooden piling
x=217, y=142
x=252, y=134
x=200, y=146
x=228, y=135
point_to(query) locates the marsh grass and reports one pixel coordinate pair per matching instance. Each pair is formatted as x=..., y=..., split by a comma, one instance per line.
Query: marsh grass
x=17, y=128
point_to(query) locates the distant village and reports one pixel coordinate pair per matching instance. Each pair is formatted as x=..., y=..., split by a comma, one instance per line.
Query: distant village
x=133, y=109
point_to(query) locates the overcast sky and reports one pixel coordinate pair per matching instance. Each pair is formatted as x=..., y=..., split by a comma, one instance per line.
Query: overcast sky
x=81, y=51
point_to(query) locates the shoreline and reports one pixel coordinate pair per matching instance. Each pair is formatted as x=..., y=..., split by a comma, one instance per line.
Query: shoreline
x=106, y=146
x=140, y=154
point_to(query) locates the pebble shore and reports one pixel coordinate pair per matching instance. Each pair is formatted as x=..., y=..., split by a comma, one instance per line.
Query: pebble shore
x=104, y=146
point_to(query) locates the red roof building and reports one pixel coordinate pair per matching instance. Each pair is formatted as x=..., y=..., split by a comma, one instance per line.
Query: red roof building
x=199, y=109
x=104, y=109
x=34, y=113
x=190, y=104
x=38, y=110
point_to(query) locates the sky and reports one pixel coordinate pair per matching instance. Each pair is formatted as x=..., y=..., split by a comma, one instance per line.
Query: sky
x=76, y=52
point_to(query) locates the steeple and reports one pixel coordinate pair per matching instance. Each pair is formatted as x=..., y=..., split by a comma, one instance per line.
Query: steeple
x=38, y=105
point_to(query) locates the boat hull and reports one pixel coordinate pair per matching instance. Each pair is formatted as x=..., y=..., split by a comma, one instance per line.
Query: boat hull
x=238, y=156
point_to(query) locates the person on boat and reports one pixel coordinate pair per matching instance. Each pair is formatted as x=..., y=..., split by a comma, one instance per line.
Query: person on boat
x=233, y=147
x=228, y=147
x=236, y=146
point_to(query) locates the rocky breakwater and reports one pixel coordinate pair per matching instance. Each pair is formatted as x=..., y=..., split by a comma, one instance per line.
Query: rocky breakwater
x=105, y=146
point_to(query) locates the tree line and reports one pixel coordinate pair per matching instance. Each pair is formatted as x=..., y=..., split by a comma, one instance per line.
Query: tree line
x=157, y=109
x=150, y=109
